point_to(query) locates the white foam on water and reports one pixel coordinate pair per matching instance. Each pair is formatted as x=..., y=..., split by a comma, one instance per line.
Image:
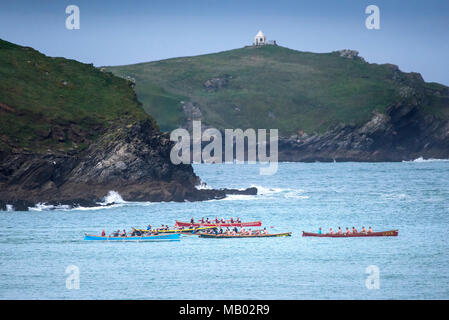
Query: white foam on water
x=9, y=207
x=393, y=196
x=46, y=207
x=112, y=197
x=421, y=159
x=244, y=197
x=203, y=186
x=112, y=200
x=268, y=193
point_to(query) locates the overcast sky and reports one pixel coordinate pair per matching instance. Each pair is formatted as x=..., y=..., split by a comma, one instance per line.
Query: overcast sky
x=413, y=34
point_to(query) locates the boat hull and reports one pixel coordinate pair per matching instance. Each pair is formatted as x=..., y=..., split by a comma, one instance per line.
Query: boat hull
x=219, y=224
x=390, y=233
x=164, y=237
x=222, y=236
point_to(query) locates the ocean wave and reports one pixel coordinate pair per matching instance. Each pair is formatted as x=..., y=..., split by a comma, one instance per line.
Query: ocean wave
x=421, y=159
x=203, y=186
x=46, y=207
x=112, y=200
x=243, y=197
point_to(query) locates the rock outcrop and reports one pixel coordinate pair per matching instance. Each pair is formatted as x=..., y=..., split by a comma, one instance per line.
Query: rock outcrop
x=132, y=160
x=403, y=132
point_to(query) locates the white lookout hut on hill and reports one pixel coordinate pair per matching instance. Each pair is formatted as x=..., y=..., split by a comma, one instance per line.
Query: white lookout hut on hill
x=260, y=39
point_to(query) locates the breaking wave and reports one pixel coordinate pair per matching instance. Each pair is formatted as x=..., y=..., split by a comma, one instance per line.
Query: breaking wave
x=421, y=159
x=112, y=200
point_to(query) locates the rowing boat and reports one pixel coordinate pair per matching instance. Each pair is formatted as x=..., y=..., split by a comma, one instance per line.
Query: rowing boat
x=219, y=224
x=164, y=237
x=391, y=233
x=221, y=236
x=186, y=231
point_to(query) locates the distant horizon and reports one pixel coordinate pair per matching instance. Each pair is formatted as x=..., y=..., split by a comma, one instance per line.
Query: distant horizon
x=413, y=35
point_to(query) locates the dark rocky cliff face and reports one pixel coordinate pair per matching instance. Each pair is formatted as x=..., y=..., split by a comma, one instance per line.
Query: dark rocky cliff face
x=133, y=160
x=70, y=133
x=403, y=132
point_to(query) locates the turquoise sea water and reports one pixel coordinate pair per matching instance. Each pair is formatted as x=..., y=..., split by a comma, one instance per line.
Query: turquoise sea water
x=37, y=246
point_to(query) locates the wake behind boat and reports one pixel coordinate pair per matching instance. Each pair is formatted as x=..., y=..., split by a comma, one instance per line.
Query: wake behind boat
x=163, y=237
x=390, y=233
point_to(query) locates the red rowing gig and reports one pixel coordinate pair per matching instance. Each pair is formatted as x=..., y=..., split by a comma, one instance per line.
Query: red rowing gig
x=219, y=224
x=391, y=233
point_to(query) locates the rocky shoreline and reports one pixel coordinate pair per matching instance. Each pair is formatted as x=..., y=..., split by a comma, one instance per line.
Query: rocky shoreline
x=133, y=160
x=402, y=133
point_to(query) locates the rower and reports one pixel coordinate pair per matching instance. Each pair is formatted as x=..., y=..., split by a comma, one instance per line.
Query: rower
x=363, y=230
x=265, y=231
x=149, y=227
x=331, y=231
x=319, y=230
x=339, y=230
x=348, y=231
x=250, y=232
x=116, y=233
x=123, y=233
x=207, y=220
x=354, y=230
x=221, y=231
x=232, y=220
x=238, y=220
x=370, y=230
x=103, y=233
x=192, y=221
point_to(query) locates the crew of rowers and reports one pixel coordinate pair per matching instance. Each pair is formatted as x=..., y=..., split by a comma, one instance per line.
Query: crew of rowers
x=138, y=232
x=348, y=231
x=235, y=231
x=135, y=232
x=216, y=220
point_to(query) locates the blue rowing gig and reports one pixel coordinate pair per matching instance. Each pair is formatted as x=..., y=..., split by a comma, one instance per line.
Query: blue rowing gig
x=162, y=237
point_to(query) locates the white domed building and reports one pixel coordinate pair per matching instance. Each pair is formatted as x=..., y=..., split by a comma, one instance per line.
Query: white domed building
x=260, y=39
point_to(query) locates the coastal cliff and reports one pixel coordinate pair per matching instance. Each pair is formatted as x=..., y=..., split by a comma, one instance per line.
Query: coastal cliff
x=403, y=132
x=71, y=133
x=327, y=106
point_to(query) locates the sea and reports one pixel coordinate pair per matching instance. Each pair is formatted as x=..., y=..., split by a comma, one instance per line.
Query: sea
x=43, y=254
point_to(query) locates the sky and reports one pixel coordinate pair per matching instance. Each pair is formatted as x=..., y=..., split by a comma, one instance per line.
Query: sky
x=413, y=34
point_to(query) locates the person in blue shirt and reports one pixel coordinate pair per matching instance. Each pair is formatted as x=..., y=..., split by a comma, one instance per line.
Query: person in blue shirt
x=319, y=230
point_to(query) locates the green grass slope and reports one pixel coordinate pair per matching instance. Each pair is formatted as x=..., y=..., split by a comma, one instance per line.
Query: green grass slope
x=57, y=103
x=267, y=87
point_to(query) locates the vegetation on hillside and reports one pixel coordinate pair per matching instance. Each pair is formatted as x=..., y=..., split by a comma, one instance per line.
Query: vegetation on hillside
x=269, y=87
x=56, y=103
